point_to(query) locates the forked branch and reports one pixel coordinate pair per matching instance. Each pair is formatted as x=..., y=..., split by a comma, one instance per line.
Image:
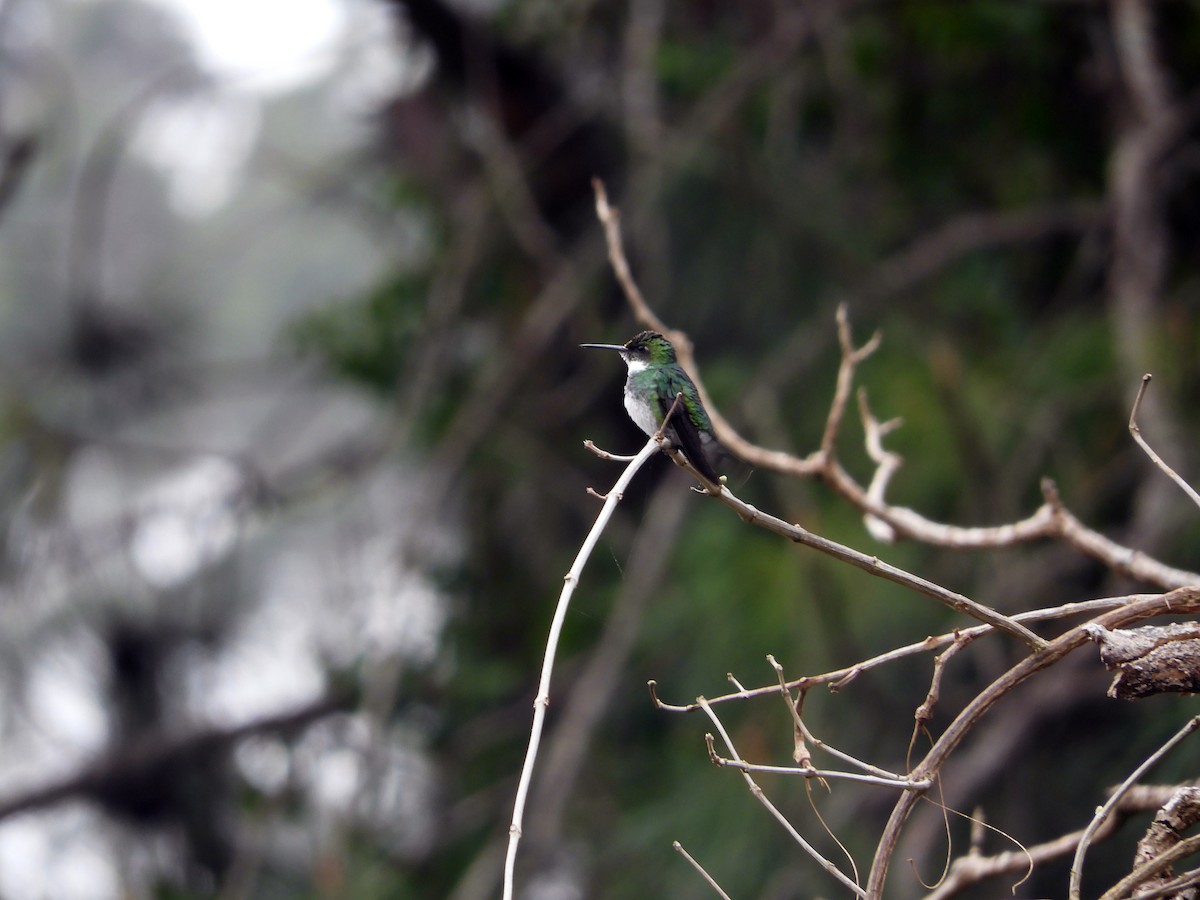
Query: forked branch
x=1051, y=520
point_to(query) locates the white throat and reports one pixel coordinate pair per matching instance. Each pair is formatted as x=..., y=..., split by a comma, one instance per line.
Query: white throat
x=635, y=365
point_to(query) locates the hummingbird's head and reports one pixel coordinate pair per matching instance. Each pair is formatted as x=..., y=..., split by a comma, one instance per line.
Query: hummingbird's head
x=648, y=349
x=642, y=351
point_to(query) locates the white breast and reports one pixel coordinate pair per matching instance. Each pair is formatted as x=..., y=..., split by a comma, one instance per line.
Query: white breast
x=641, y=414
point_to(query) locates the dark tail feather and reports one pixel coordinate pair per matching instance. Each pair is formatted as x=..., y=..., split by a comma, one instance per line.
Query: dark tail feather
x=687, y=439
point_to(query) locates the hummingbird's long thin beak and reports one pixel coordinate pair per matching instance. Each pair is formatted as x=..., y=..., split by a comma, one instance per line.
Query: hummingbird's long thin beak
x=604, y=346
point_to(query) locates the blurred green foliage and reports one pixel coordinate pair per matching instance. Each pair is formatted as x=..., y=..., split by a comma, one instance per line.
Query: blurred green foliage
x=368, y=340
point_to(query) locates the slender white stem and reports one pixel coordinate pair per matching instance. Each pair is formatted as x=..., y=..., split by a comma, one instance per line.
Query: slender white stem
x=612, y=498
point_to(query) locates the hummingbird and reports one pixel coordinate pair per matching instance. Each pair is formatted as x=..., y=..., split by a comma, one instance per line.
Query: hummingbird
x=655, y=379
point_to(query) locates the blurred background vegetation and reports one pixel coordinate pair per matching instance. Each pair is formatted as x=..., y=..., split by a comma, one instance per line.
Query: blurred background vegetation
x=293, y=411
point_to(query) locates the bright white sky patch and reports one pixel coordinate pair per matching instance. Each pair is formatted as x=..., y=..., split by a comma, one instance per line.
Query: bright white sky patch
x=201, y=145
x=56, y=854
x=187, y=522
x=65, y=699
x=255, y=50
x=265, y=45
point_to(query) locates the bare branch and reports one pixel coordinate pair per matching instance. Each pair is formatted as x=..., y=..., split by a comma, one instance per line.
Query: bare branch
x=799, y=750
x=971, y=869
x=604, y=454
x=900, y=784
x=876, y=566
x=852, y=357
x=887, y=464
x=761, y=797
x=610, y=218
x=804, y=736
x=924, y=712
x=1118, y=558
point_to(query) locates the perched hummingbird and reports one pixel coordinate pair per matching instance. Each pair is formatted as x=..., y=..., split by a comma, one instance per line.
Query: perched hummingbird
x=655, y=378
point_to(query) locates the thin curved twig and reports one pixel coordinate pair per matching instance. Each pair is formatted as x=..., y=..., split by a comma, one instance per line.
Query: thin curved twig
x=877, y=567
x=542, y=701
x=596, y=686
x=1154, y=457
